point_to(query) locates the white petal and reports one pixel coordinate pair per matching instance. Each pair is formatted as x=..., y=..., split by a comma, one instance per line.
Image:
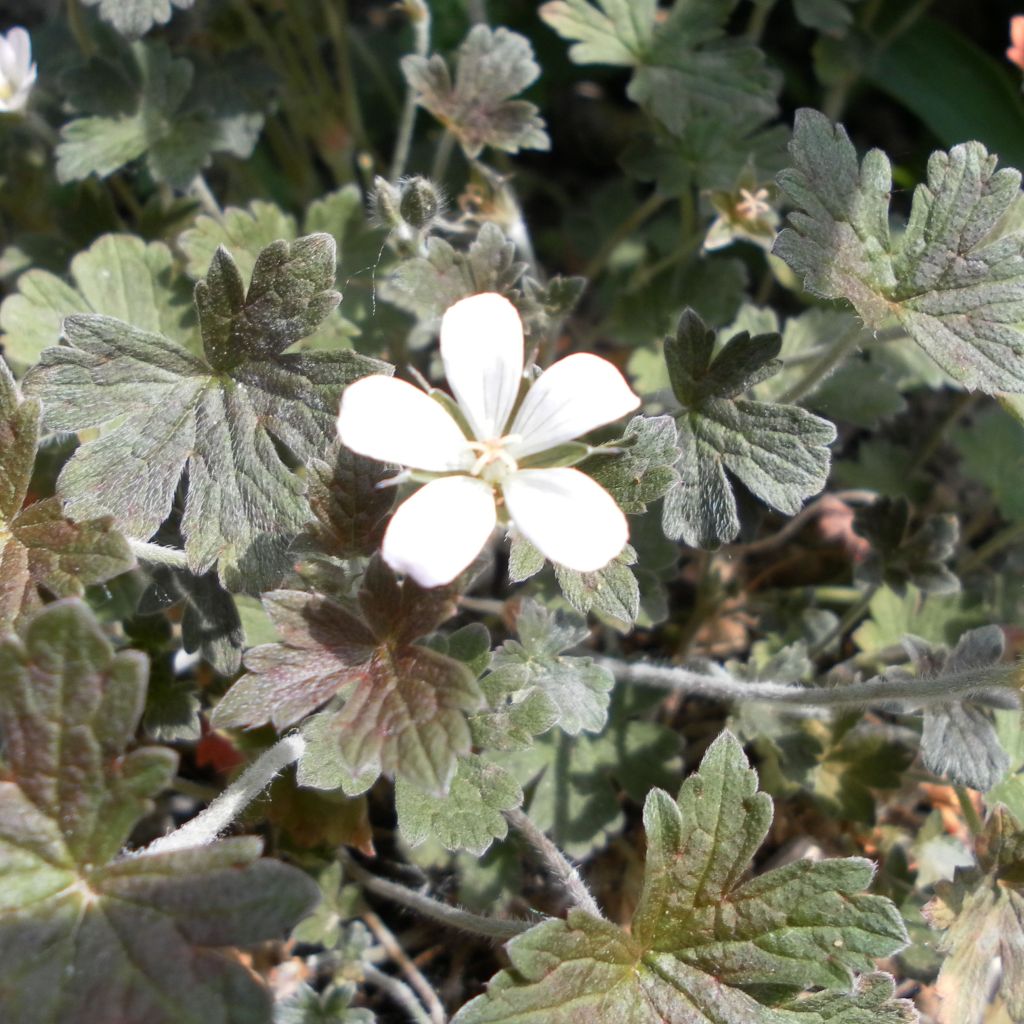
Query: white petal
x=572, y=397
x=570, y=518
x=21, y=46
x=437, y=532
x=392, y=421
x=9, y=63
x=482, y=351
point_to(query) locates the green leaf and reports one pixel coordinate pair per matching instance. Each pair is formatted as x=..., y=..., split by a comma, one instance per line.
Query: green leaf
x=349, y=506
x=216, y=417
x=468, y=817
x=244, y=233
x=832, y=17
x=779, y=452
x=939, y=618
x=977, y=96
x=427, y=285
x=119, y=276
x=959, y=739
x=703, y=943
x=956, y=293
x=611, y=592
x=87, y=933
x=992, y=451
x=576, y=689
x=405, y=704
x=642, y=471
x=576, y=784
x=980, y=915
x=492, y=66
x=210, y=622
x=684, y=65
x=39, y=546
x=160, y=114
x=136, y=17
x=901, y=556
x=305, y=1006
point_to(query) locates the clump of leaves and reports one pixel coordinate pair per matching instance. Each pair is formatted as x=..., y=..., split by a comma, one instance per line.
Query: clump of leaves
x=88, y=932
x=683, y=957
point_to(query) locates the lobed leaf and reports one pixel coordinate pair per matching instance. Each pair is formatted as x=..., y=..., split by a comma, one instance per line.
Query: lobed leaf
x=39, y=545
x=404, y=705
x=87, y=934
x=216, y=418
x=492, y=66
x=956, y=291
x=703, y=942
x=779, y=452
x=137, y=17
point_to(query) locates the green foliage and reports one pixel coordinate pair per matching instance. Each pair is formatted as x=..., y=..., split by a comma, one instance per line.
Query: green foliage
x=119, y=276
x=89, y=933
x=405, y=704
x=805, y=924
x=39, y=546
x=137, y=17
x=468, y=816
x=612, y=592
x=142, y=102
x=901, y=555
x=305, y=1006
x=491, y=68
x=641, y=469
x=777, y=451
x=979, y=915
x=956, y=292
x=215, y=416
x=574, y=692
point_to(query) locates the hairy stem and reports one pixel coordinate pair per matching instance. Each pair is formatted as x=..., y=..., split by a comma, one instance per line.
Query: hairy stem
x=206, y=826
x=556, y=862
x=851, y=617
x=821, y=368
x=412, y=973
x=452, y=917
x=199, y=187
x=647, y=209
x=398, y=991
x=419, y=15
x=881, y=689
x=157, y=554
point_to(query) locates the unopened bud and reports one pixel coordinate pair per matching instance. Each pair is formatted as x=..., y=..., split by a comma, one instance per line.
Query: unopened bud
x=385, y=202
x=420, y=203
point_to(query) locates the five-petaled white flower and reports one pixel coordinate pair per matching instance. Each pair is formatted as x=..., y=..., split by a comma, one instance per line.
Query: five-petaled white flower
x=17, y=72
x=491, y=466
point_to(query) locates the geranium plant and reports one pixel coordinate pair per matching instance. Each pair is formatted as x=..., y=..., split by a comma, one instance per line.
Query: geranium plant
x=511, y=513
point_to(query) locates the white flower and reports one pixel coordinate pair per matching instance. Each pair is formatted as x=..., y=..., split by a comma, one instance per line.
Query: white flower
x=564, y=513
x=17, y=72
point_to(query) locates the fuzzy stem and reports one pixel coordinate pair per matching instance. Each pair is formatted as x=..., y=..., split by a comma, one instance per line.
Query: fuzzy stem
x=914, y=690
x=206, y=826
x=847, y=622
x=398, y=991
x=157, y=554
x=412, y=973
x=451, y=917
x=647, y=209
x=820, y=369
x=419, y=15
x=199, y=187
x=556, y=862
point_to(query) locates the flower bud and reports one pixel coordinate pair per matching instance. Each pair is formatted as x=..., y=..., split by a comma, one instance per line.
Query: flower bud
x=385, y=201
x=420, y=203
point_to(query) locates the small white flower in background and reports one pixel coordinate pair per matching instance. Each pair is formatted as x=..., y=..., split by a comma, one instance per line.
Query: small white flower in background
x=566, y=515
x=17, y=72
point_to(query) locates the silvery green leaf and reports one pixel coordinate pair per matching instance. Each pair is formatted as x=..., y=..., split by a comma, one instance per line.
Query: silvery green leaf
x=137, y=17
x=779, y=452
x=492, y=66
x=218, y=418
x=118, y=275
x=467, y=817
x=683, y=959
x=612, y=592
x=642, y=470
x=577, y=689
x=955, y=291
x=87, y=933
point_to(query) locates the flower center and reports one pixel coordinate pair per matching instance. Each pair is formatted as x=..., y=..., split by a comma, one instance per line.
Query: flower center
x=6, y=88
x=493, y=462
